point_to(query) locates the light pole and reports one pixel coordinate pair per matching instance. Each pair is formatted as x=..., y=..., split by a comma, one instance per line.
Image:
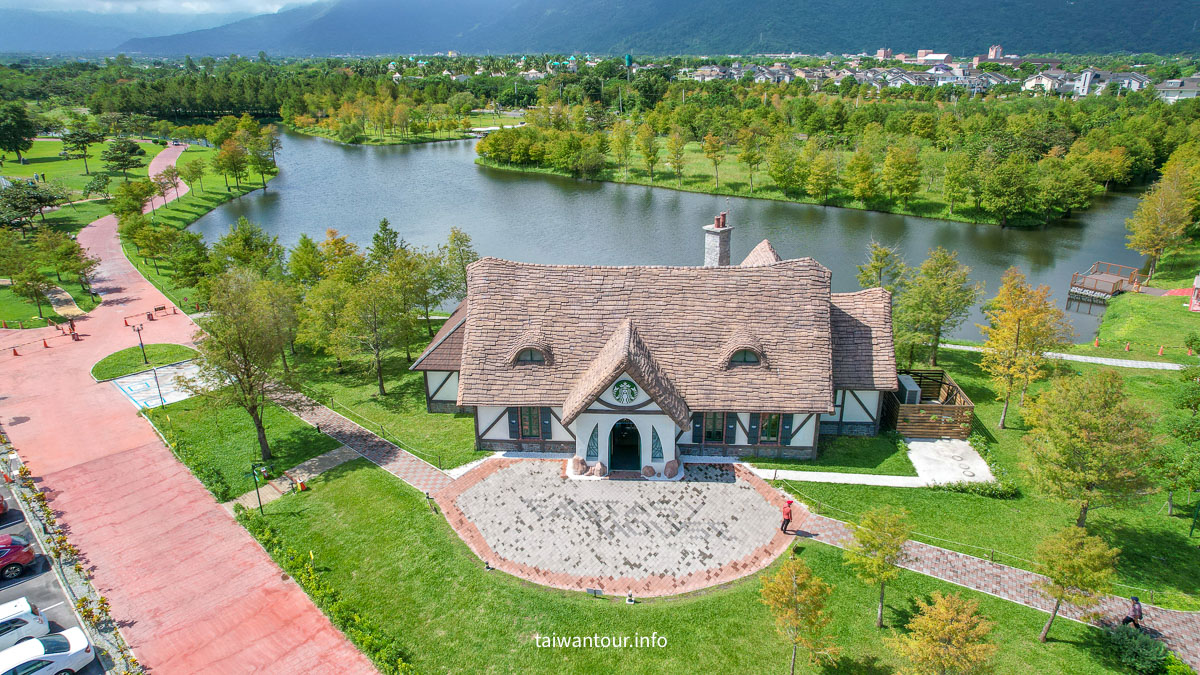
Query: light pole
x=161, y=402
x=138, y=329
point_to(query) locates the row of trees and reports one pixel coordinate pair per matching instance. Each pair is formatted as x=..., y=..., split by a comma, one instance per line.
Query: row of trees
x=947, y=634
x=23, y=264
x=331, y=296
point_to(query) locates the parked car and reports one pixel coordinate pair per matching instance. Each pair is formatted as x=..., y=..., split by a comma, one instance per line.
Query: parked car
x=63, y=653
x=21, y=620
x=16, y=553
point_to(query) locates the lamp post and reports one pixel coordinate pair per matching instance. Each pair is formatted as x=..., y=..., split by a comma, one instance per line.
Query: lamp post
x=138, y=329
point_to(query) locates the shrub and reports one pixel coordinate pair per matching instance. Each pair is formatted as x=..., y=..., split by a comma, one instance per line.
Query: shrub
x=1137, y=651
x=1176, y=666
x=1000, y=489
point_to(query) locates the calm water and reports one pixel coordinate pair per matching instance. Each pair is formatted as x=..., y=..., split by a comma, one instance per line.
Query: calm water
x=424, y=190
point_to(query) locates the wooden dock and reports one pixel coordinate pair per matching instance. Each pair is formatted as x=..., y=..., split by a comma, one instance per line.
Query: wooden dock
x=1104, y=280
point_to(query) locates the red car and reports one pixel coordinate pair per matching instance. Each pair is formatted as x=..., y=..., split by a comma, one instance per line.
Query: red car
x=15, y=554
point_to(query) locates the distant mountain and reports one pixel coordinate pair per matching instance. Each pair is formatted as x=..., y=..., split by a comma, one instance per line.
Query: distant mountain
x=698, y=27
x=23, y=30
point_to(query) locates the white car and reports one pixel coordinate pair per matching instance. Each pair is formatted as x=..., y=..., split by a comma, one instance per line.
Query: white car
x=19, y=621
x=63, y=653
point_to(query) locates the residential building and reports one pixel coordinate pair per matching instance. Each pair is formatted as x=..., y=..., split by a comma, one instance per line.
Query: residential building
x=1177, y=90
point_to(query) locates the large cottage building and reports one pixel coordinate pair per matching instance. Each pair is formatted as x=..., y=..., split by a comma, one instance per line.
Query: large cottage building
x=631, y=367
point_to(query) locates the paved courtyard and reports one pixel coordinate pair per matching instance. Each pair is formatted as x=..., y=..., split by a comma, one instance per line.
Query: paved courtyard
x=653, y=538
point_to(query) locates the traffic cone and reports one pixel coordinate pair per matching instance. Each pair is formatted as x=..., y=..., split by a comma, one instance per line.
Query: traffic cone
x=44, y=344
x=7, y=478
x=15, y=352
x=3, y=324
x=1096, y=343
x=1126, y=346
x=126, y=321
x=1160, y=350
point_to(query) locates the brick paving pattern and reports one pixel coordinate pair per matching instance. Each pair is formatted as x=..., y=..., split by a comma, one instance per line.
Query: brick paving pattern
x=1180, y=630
x=653, y=538
x=404, y=465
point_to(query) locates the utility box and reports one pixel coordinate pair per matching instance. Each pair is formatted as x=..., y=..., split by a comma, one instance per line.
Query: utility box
x=909, y=393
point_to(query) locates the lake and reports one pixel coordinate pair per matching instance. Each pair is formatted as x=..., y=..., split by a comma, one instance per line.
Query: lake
x=426, y=189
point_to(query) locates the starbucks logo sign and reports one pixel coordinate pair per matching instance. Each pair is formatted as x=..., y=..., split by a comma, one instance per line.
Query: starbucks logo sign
x=625, y=392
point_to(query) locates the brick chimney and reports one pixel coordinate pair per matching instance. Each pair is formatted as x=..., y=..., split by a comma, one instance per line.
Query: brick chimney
x=716, y=241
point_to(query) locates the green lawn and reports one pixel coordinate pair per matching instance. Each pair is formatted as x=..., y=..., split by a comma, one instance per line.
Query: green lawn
x=372, y=138
x=407, y=571
x=1146, y=322
x=130, y=360
x=1157, y=554
x=222, y=440
x=17, y=312
x=44, y=158
x=488, y=119
x=850, y=454
x=439, y=438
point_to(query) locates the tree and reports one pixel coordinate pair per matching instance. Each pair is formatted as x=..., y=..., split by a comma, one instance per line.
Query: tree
x=14, y=255
x=1159, y=223
x=77, y=143
x=373, y=319
x=260, y=159
x=231, y=161
x=430, y=280
x=282, y=301
x=459, y=254
x=169, y=178
x=750, y=153
x=1079, y=569
x=1007, y=189
x=937, y=298
x=385, y=243
x=131, y=197
x=822, y=176
x=1023, y=323
x=676, y=153
x=861, y=178
x=320, y=316
x=238, y=350
x=714, y=150
x=1089, y=442
x=884, y=268
x=305, y=263
x=956, y=185
x=53, y=248
x=902, y=172
x=17, y=129
x=947, y=636
x=878, y=548
x=189, y=258
x=798, y=598
x=193, y=172
x=98, y=185
x=122, y=155
x=781, y=166
x=32, y=285
x=647, y=145
x=156, y=241
x=247, y=245
x=622, y=144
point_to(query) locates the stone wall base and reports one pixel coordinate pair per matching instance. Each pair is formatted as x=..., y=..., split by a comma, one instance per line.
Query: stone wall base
x=450, y=407
x=526, y=446
x=849, y=428
x=753, y=451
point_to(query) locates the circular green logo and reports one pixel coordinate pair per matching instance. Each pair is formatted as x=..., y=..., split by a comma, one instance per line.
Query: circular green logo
x=625, y=392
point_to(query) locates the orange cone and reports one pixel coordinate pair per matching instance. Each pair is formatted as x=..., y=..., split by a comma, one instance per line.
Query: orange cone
x=7, y=478
x=1160, y=350
x=1126, y=346
x=127, y=321
x=3, y=324
x=15, y=352
x=44, y=344
x=1096, y=343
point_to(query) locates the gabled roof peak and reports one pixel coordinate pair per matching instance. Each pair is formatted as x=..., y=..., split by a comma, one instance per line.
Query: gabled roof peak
x=762, y=254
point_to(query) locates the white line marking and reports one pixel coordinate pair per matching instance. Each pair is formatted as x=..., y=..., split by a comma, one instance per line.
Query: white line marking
x=57, y=604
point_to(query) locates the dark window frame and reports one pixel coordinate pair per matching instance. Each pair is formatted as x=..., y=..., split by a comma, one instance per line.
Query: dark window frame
x=531, y=357
x=719, y=417
x=533, y=417
x=763, y=437
x=736, y=361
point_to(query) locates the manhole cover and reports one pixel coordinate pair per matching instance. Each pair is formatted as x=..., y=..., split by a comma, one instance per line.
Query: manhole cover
x=969, y=474
x=956, y=458
x=964, y=466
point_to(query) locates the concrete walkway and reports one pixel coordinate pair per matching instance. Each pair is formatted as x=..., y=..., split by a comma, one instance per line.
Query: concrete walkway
x=301, y=473
x=1080, y=358
x=192, y=591
x=1180, y=630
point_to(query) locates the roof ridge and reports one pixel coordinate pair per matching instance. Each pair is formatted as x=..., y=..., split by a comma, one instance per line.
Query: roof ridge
x=706, y=268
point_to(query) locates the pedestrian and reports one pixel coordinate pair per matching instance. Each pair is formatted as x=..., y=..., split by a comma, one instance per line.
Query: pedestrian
x=787, y=516
x=1135, y=614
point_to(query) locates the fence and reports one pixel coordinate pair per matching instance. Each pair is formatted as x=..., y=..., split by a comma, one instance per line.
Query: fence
x=949, y=415
x=989, y=553
x=378, y=428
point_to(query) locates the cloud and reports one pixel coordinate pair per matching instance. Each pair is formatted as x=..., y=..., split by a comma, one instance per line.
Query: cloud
x=160, y=6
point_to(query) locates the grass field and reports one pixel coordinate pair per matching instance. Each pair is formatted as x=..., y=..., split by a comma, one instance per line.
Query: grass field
x=405, y=569
x=128, y=361
x=881, y=455
x=44, y=159
x=224, y=440
x=1157, y=554
x=1146, y=322
x=372, y=138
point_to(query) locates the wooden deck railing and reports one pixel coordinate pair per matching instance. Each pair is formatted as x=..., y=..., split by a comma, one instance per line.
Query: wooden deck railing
x=946, y=411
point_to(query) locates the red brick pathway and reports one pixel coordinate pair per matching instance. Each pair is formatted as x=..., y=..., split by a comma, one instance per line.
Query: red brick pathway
x=645, y=586
x=1180, y=630
x=192, y=590
x=404, y=465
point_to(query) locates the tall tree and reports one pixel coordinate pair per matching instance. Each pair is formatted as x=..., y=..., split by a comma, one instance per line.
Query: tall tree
x=248, y=245
x=1159, y=223
x=676, y=154
x=17, y=129
x=622, y=145
x=782, y=160
x=937, y=298
x=78, y=142
x=1023, y=323
x=878, y=548
x=385, y=243
x=1089, y=442
x=750, y=149
x=231, y=160
x=122, y=155
x=860, y=178
x=956, y=185
x=305, y=263
x=320, y=317
x=373, y=319
x=798, y=598
x=192, y=173
x=884, y=268
x=714, y=150
x=459, y=254
x=281, y=300
x=822, y=176
x=647, y=145
x=1008, y=190
x=1079, y=569
x=32, y=285
x=238, y=350
x=902, y=172
x=947, y=636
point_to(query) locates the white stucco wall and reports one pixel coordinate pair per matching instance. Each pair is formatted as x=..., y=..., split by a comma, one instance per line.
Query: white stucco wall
x=855, y=412
x=804, y=434
x=645, y=424
x=485, y=414
x=448, y=391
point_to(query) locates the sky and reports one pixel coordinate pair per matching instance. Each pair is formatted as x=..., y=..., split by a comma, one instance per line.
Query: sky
x=195, y=7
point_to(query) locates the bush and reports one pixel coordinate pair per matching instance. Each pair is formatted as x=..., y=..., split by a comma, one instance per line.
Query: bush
x=1176, y=666
x=1137, y=651
x=384, y=650
x=1000, y=489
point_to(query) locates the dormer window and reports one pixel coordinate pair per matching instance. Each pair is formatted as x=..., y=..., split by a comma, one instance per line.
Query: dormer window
x=744, y=357
x=531, y=356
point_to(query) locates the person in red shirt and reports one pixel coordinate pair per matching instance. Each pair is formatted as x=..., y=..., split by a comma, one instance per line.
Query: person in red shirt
x=787, y=516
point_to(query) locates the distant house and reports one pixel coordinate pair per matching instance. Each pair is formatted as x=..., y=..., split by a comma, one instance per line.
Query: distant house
x=1088, y=82
x=1177, y=90
x=709, y=73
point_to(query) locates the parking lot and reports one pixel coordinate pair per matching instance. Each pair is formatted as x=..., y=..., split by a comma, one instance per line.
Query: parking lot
x=38, y=584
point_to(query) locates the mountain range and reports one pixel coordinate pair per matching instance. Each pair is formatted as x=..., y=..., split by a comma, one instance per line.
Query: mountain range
x=24, y=30
x=665, y=27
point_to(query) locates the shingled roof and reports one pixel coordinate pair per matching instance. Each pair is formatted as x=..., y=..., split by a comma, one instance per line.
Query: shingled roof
x=625, y=352
x=445, y=350
x=864, y=356
x=683, y=315
x=763, y=254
